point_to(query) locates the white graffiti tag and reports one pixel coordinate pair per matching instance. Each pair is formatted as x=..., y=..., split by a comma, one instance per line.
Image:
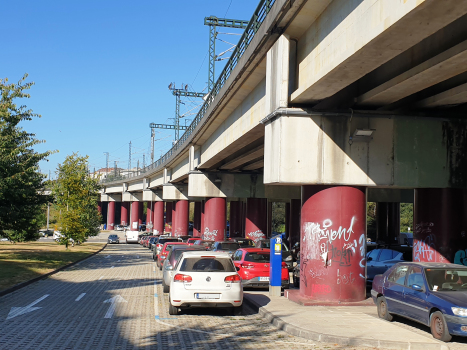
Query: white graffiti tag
x=256, y=235
x=210, y=235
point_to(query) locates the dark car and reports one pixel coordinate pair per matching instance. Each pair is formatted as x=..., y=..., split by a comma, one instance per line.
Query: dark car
x=225, y=246
x=113, y=239
x=286, y=253
x=434, y=294
x=151, y=242
x=244, y=242
x=379, y=260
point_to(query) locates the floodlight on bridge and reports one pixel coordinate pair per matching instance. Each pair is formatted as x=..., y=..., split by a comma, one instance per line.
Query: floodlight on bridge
x=364, y=135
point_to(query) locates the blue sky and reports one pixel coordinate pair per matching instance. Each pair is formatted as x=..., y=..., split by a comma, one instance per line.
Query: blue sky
x=101, y=69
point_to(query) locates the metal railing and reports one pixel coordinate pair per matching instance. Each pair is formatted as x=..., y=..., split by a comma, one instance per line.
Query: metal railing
x=257, y=19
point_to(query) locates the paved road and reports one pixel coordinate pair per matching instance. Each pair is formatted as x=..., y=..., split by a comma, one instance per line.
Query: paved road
x=114, y=300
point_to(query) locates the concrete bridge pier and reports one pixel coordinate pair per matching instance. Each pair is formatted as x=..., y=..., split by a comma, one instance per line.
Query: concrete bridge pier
x=134, y=213
x=168, y=217
x=158, y=217
x=149, y=216
x=215, y=219
x=440, y=225
x=333, y=224
x=256, y=218
x=197, y=219
x=180, y=219
x=236, y=219
x=111, y=216
x=124, y=211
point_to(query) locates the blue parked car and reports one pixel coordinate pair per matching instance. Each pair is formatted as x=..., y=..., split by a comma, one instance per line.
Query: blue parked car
x=434, y=294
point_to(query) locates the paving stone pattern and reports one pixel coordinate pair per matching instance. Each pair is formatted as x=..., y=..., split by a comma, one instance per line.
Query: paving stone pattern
x=140, y=321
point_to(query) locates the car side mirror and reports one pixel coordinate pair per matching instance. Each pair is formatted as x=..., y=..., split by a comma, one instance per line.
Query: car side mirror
x=169, y=267
x=369, y=258
x=417, y=288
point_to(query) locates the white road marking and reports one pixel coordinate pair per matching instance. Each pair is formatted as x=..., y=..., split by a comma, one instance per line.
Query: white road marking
x=113, y=304
x=16, y=311
x=80, y=296
x=112, y=267
x=108, y=256
x=101, y=278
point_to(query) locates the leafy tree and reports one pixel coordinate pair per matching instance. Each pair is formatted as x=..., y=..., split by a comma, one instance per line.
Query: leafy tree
x=76, y=196
x=21, y=182
x=406, y=217
x=371, y=220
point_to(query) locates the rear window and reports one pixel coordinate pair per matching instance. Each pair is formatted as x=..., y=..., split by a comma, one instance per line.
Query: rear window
x=258, y=257
x=246, y=243
x=200, y=264
x=265, y=244
x=228, y=246
x=165, y=240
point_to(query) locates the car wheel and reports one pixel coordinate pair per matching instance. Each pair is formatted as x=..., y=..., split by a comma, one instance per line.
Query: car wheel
x=383, y=311
x=173, y=310
x=296, y=282
x=439, y=328
x=166, y=288
x=237, y=310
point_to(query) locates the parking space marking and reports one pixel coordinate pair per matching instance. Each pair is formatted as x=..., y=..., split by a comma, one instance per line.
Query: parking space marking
x=80, y=296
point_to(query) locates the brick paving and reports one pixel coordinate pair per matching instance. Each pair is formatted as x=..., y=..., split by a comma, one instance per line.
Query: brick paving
x=65, y=319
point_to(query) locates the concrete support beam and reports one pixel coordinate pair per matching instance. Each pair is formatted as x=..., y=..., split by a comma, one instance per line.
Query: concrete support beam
x=132, y=197
x=451, y=97
x=172, y=192
x=152, y=196
x=354, y=37
x=255, y=153
x=435, y=70
x=115, y=197
x=254, y=166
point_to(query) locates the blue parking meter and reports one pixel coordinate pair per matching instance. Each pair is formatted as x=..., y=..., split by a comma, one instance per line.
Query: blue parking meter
x=275, y=265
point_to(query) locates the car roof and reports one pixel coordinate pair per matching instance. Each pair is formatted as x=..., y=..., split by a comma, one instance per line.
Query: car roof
x=255, y=250
x=187, y=247
x=205, y=253
x=433, y=265
x=225, y=242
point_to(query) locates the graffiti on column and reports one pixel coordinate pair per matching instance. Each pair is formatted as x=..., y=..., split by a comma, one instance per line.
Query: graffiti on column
x=331, y=245
x=460, y=257
x=425, y=248
x=210, y=235
x=256, y=235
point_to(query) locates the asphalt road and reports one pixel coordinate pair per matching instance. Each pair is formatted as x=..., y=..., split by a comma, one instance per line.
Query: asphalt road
x=114, y=300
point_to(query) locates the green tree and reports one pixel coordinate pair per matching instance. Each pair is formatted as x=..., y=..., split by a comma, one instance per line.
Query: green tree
x=76, y=195
x=21, y=182
x=406, y=217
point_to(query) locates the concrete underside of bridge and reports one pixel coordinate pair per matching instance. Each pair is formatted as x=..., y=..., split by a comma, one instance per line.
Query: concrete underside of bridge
x=334, y=103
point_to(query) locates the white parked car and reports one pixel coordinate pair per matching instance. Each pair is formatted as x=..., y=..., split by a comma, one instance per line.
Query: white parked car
x=205, y=279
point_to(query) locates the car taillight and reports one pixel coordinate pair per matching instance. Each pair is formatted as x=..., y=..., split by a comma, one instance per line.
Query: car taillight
x=247, y=266
x=182, y=278
x=233, y=278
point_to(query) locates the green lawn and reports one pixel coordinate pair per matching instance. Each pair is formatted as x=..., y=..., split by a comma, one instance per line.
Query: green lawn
x=21, y=262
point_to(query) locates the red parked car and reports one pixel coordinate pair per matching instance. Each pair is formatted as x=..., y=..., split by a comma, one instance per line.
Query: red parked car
x=146, y=241
x=253, y=267
x=192, y=240
x=164, y=252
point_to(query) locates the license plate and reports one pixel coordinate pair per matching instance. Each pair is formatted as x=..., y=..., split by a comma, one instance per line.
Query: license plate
x=207, y=296
x=264, y=279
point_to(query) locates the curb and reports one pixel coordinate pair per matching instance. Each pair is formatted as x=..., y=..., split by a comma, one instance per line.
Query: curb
x=346, y=341
x=24, y=284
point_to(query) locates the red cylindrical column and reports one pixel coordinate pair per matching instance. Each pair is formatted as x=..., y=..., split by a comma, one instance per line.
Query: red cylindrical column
x=168, y=217
x=333, y=225
x=174, y=217
x=294, y=222
x=124, y=213
x=158, y=218
x=256, y=223
x=440, y=225
x=111, y=216
x=182, y=210
x=134, y=216
x=236, y=219
x=197, y=220
x=149, y=215
x=215, y=219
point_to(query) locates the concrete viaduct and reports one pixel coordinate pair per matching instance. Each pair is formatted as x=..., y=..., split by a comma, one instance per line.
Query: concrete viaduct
x=325, y=105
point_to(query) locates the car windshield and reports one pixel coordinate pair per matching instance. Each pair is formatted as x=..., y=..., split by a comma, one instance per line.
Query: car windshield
x=228, y=246
x=258, y=257
x=446, y=279
x=113, y=236
x=207, y=264
x=165, y=240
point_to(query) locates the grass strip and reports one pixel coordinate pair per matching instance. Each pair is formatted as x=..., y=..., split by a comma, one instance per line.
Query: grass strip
x=22, y=262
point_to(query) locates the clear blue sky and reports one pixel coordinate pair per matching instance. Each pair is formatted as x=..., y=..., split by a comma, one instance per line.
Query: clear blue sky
x=102, y=67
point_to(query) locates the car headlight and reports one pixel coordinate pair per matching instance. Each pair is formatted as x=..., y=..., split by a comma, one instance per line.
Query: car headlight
x=289, y=258
x=459, y=311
